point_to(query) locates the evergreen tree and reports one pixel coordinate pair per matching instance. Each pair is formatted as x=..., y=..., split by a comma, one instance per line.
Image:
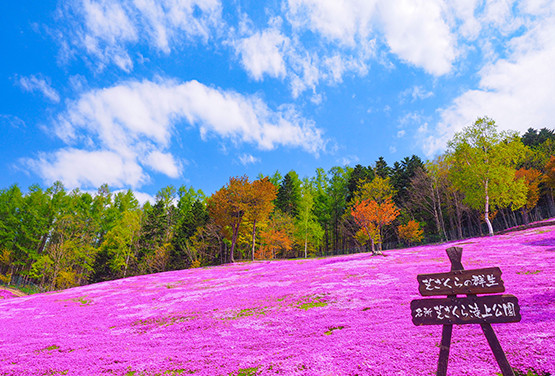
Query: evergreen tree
x=288, y=195
x=382, y=169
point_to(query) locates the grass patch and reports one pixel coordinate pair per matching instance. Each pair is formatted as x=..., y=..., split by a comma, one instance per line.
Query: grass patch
x=528, y=372
x=53, y=372
x=48, y=349
x=171, y=372
x=247, y=312
x=245, y=372
x=311, y=302
x=164, y=320
x=529, y=272
x=330, y=330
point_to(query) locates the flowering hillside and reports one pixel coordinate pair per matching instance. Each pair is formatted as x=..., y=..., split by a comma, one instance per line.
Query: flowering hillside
x=347, y=315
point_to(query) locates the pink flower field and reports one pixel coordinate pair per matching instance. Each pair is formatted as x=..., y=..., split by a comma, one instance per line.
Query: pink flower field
x=347, y=315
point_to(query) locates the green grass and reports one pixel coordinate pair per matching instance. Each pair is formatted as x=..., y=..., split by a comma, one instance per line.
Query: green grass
x=330, y=330
x=245, y=372
x=164, y=321
x=246, y=313
x=529, y=372
x=311, y=302
x=48, y=349
x=529, y=272
x=171, y=372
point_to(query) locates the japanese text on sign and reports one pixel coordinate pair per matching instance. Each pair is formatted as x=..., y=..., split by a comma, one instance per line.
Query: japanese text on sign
x=486, y=309
x=461, y=282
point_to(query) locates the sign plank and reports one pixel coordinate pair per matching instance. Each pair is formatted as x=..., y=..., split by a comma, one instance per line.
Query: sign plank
x=476, y=281
x=471, y=310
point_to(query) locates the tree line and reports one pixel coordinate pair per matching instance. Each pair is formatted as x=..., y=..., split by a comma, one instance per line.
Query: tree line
x=487, y=180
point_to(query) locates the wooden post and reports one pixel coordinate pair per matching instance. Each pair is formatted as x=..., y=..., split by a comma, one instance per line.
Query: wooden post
x=444, y=350
x=455, y=256
x=497, y=350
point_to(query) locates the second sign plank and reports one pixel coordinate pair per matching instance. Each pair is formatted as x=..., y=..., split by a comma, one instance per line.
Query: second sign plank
x=472, y=310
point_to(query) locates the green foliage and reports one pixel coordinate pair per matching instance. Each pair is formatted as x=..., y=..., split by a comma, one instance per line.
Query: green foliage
x=483, y=167
x=53, y=238
x=382, y=169
x=308, y=232
x=288, y=195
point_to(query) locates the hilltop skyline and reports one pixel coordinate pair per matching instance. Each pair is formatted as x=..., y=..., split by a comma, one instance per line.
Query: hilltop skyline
x=143, y=94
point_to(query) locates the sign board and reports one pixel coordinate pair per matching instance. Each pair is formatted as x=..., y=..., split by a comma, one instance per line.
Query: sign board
x=477, y=281
x=474, y=310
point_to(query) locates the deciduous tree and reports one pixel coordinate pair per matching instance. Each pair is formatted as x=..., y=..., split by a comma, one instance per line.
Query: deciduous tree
x=484, y=162
x=261, y=204
x=228, y=205
x=373, y=216
x=411, y=232
x=532, y=179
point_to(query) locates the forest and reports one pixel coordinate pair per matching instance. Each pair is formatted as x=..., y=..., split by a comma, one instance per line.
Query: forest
x=486, y=181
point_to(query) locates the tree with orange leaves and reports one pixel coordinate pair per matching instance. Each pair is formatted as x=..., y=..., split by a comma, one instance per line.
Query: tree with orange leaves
x=532, y=179
x=549, y=177
x=263, y=194
x=277, y=237
x=411, y=232
x=372, y=216
x=228, y=205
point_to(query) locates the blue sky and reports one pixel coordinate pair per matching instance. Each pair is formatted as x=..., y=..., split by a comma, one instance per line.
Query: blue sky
x=141, y=94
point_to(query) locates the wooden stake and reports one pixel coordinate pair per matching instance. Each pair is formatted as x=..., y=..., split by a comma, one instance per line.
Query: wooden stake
x=497, y=350
x=455, y=256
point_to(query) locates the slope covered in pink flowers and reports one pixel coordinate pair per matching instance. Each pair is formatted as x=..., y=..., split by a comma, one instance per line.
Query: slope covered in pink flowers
x=345, y=315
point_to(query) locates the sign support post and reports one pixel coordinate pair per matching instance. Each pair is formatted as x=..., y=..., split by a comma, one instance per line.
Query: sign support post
x=472, y=309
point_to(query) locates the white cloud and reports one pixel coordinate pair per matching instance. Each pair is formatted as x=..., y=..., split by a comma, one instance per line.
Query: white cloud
x=345, y=22
x=262, y=53
x=417, y=32
x=164, y=163
x=11, y=121
x=143, y=197
x=106, y=30
x=517, y=92
x=42, y=85
x=81, y=168
x=247, y=159
x=115, y=134
x=349, y=160
x=415, y=93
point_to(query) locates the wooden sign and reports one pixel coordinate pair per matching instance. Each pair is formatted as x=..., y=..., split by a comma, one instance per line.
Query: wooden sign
x=477, y=281
x=474, y=310
x=483, y=310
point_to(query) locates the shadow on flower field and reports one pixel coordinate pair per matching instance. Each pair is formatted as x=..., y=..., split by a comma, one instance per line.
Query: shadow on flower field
x=346, y=315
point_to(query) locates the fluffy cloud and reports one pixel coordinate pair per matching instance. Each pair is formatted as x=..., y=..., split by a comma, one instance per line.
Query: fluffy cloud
x=262, y=53
x=247, y=159
x=346, y=22
x=417, y=32
x=517, y=92
x=115, y=134
x=106, y=30
x=84, y=168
